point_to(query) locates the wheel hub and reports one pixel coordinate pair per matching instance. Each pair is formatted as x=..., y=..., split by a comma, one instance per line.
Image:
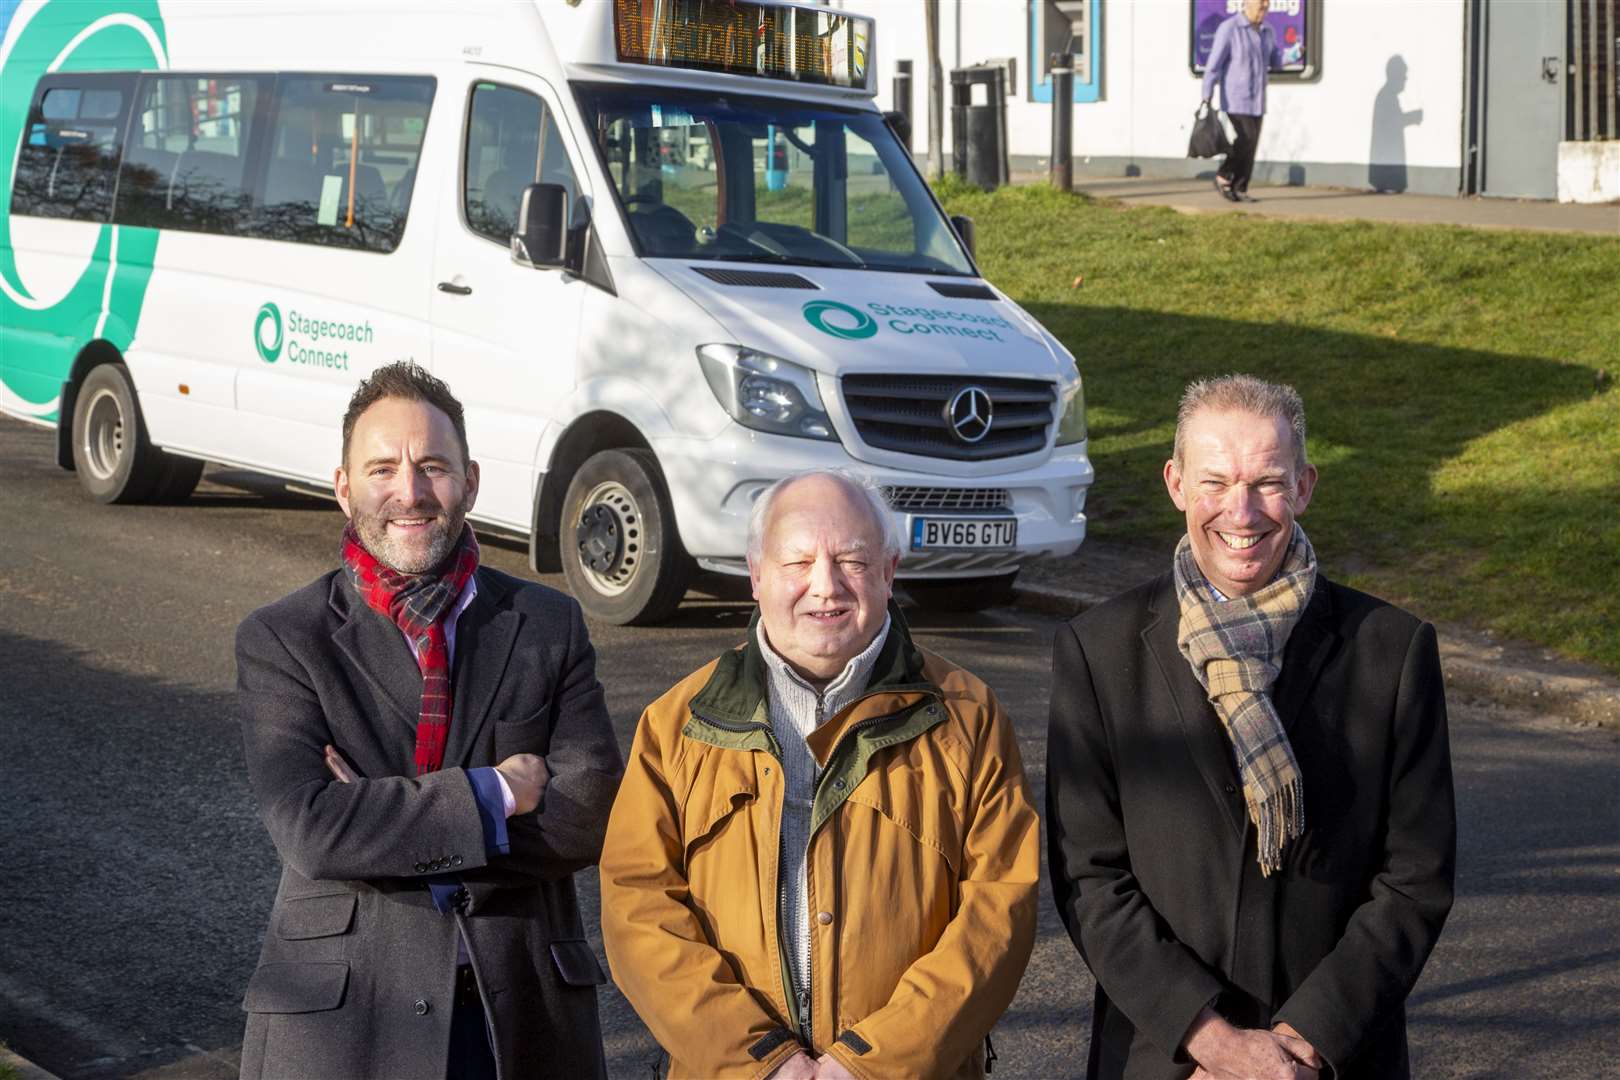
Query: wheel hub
x=601, y=539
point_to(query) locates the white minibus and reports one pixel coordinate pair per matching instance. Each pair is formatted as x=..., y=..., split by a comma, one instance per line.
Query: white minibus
x=665, y=252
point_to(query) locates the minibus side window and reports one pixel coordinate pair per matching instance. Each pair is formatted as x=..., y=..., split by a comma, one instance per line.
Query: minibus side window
x=340, y=162
x=185, y=160
x=67, y=165
x=512, y=141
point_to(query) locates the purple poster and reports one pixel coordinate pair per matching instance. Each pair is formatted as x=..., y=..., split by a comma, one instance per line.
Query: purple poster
x=1288, y=18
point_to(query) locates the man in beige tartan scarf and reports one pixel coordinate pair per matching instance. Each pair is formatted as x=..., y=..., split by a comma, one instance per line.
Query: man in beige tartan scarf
x=1235, y=648
x=1249, y=798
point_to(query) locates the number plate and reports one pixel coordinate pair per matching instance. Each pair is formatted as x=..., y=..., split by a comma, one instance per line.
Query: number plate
x=972, y=533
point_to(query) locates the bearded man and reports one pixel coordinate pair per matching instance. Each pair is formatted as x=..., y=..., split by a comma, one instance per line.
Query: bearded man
x=1249, y=799
x=432, y=757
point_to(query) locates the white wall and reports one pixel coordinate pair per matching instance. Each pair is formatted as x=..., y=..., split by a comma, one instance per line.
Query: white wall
x=1149, y=94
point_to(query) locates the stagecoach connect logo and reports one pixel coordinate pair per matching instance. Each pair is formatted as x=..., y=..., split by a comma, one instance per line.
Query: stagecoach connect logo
x=831, y=317
x=268, y=338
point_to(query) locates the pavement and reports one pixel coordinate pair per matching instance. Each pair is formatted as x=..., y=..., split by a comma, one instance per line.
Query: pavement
x=1198, y=196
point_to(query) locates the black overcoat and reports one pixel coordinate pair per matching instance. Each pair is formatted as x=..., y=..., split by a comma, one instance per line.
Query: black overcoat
x=1153, y=855
x=356, y=977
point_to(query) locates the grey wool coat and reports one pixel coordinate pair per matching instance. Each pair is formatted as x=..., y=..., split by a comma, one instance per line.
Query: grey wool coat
x=356, y=976
x=1153, y=854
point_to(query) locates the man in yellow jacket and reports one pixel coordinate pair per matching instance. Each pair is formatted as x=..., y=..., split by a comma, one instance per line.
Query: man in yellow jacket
x=822, y=861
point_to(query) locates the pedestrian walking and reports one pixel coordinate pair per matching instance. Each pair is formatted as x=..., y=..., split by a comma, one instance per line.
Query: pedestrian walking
x=1249, y=795
x=432, y=757
x=1243, y=53
x=823, y=860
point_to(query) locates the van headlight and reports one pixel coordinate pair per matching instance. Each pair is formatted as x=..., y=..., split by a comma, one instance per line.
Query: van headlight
x=766, y=393
x=1072, y=425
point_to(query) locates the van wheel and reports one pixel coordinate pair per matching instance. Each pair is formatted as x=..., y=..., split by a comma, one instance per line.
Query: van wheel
x=961, y=594
x=115, y=460
x=177, y=479
x=620, y=554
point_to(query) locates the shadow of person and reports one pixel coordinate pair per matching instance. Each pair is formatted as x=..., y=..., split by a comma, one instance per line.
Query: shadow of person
x=1386, y=160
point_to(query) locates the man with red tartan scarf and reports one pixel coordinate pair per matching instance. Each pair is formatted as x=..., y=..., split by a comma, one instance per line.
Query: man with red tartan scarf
x=432, y=756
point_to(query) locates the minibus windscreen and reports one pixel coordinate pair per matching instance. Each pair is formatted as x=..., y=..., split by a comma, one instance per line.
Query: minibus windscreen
x=758, y=179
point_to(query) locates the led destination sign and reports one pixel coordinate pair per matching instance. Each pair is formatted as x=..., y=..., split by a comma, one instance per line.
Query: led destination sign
x=737, y=37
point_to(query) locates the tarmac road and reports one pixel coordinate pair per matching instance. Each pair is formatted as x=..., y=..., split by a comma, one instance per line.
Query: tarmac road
x=137, y=876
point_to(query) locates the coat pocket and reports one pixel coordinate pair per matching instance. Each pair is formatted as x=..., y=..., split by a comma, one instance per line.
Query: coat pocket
x=315, y=916
x=296, y=988
x=576, y=963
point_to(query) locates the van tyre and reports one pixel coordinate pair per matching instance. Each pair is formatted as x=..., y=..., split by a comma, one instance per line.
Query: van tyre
x=961, y=594
x=177, y=479
x=621, y=556
x=115, y=460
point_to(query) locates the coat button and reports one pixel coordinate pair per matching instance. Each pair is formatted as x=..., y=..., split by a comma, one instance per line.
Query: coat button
x=839, y=783
x=455, y=860
x=824, y=918
x=421, y=1007
x=1230, y=789
x=421, y=867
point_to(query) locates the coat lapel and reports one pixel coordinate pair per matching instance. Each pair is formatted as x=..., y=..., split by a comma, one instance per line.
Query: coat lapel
x=376, y=650
x=1307, y=651
x=485, y=636
x=1202, y=729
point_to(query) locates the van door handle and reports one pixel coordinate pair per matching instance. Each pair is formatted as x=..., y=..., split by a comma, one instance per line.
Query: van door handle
x=452, y=287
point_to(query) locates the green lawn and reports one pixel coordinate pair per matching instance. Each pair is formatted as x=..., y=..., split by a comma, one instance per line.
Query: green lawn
x=1469, y=448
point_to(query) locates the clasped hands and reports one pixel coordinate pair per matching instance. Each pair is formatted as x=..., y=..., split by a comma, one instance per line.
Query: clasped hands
x=525, y=774
x=802, y=1066
x=1224, y=1052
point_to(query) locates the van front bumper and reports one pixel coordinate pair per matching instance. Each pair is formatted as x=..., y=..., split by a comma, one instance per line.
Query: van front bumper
x=713, y=484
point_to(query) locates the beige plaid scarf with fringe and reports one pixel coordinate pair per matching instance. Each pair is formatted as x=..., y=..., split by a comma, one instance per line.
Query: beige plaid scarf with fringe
x=1235, y=648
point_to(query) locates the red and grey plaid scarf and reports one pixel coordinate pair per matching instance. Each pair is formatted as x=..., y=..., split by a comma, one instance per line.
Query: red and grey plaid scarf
x=418, y=604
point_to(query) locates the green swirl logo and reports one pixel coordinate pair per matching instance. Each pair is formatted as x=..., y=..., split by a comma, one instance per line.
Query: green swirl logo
x=817, y=313
x=269, y=349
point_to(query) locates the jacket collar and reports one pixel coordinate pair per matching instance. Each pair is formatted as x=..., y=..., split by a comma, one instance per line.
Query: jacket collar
x=375, y=649
x=736, y=691
x=1309, y=646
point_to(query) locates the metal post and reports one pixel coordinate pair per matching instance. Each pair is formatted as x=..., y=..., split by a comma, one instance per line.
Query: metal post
x=1592, y=54
x=1577, y=46
x=1003, y=168
x=902, y=96
x=1062, y=71
x=1611, y=42
x=936, y=93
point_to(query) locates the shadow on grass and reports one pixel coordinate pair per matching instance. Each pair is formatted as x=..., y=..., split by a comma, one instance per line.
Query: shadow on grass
x=1385, y=416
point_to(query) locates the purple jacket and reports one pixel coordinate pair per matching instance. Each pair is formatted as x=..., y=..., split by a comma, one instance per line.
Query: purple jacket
x=1239, y=60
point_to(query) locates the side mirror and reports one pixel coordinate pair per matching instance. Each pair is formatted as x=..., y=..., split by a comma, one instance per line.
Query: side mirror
x=970, y=237
x=900, y=124
x=541, y=240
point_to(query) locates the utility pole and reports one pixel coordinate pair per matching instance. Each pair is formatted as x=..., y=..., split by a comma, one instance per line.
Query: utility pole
x=936, y=94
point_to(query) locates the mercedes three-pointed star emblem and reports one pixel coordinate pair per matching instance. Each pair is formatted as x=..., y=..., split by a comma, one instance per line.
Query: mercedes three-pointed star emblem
x=969, y=414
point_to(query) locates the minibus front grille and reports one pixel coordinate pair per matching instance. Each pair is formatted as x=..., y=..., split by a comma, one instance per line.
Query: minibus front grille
x=756, y=279
x=908, y=414
x=911, y=499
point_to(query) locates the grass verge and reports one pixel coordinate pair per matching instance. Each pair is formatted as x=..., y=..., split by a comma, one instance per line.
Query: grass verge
x=1460, y=386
